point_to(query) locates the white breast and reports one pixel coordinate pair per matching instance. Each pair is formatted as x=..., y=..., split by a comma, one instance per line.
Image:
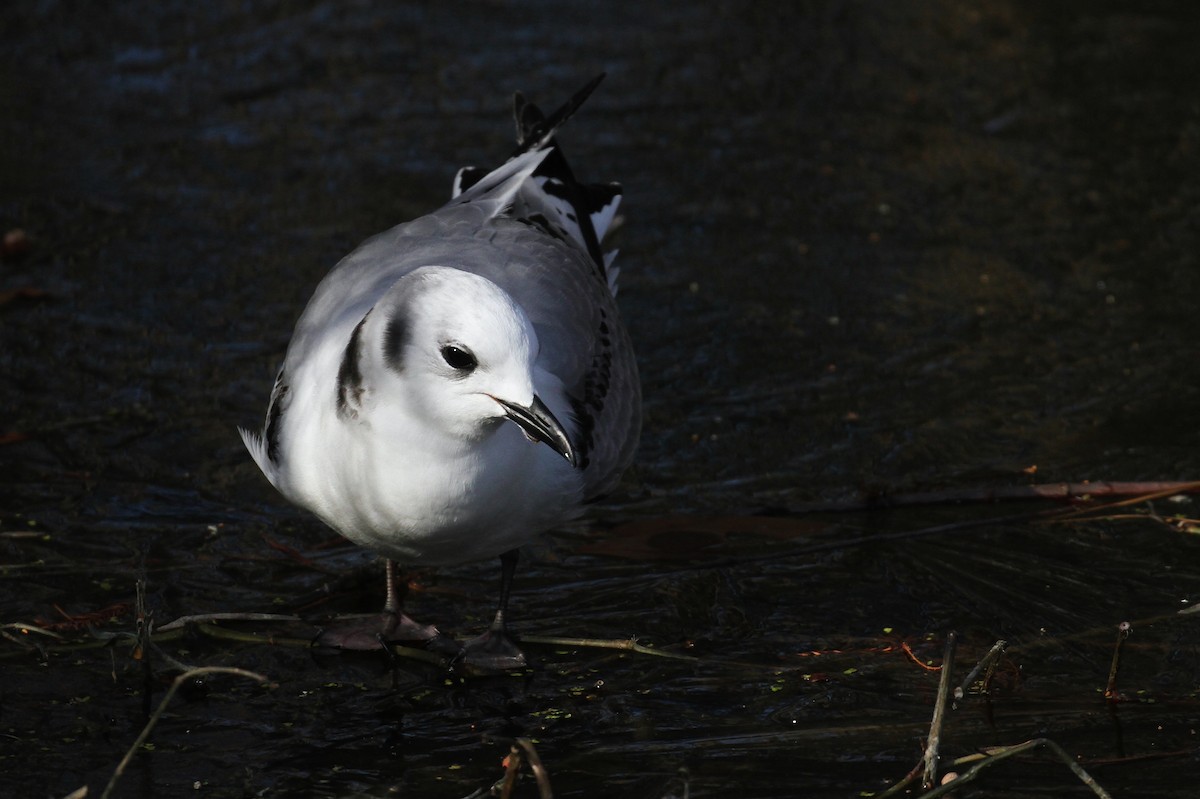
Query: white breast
x=420, y=498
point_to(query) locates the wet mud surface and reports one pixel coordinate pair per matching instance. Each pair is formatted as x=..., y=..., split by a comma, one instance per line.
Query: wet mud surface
x=869, y=249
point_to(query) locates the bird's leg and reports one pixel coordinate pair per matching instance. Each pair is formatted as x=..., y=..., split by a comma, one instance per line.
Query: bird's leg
x=374, y=632
x=397, y=625
x=494, y=650
x=391, y=599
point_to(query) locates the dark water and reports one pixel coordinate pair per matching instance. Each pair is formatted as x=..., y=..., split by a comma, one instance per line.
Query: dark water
x=870, y=247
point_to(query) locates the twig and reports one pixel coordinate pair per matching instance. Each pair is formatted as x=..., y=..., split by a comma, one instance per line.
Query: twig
x=939, y=713
x=906, y=649
x=535, y=765
x=175, y=629
x=539, y=771
x=903, y=784
x=988, y=673
x=101, y=640
x=1154, y=491
x=624, y=644
x=162, y=706
x=987, y=660
x=183, y=621
x=512, y=771
x=24, y=628
x=1110, y=690
x=226, y=634
x=522, y=751
x=1006, y=752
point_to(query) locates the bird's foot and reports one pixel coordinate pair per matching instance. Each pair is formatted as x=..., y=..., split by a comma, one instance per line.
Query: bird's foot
x=377, y=630
x=494, y=652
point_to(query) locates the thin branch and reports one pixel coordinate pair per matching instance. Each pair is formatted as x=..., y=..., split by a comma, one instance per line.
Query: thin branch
x=907, y=650
x=183, y=621
x=535, y=765
x=1003, y=753
x=939, y=713
x=1152, y=492
x=623, y=644
x=23, y=639
x=226, y=634
x=922, y=766
x=902, y=786
x=162, y=706
x=23, y=628
x=512, y=771
x=1110, y=690
x=987, y=660
x=522, y=751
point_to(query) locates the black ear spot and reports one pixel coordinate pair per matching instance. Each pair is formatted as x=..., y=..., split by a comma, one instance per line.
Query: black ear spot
x=350, y=386
x=395, y=338
x=459, y=358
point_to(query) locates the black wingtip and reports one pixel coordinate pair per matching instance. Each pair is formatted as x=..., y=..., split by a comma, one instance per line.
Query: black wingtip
x=535, y=130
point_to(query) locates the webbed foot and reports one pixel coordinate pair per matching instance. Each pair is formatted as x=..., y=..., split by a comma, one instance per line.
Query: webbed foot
x=494, y=652
x=376, y=631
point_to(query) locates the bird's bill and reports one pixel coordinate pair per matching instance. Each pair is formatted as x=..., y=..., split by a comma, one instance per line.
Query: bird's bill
x=539, y=424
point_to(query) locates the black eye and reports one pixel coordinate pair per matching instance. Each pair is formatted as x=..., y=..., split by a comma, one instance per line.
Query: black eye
x=458, y=358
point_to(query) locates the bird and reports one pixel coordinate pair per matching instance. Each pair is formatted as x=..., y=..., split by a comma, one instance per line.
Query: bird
x=463, y=382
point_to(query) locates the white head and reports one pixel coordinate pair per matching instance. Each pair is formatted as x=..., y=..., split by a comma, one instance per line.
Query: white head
x=453, y=352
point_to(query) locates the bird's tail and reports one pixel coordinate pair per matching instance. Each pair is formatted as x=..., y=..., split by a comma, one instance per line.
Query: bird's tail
x=584, y=212
x=534, y=129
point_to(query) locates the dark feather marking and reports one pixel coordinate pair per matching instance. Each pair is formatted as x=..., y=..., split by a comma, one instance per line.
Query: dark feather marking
x=599, y=195
x=595, y=390
x=587, y=428
x=274, y=415
x=349, y=379
x=541, y=223
x=395, y=338
x=560, y=189
x=536, y=130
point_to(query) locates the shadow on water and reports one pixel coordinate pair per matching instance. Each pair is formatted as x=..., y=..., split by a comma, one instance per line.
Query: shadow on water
x=868, y=250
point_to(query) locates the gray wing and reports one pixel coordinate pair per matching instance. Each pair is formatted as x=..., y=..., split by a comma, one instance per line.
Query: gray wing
x=582, y=337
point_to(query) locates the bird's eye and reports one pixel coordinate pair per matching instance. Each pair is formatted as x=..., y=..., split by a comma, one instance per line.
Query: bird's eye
x=458, y=358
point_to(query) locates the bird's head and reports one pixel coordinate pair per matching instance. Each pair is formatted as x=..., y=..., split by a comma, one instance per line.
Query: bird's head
x=454, y=352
